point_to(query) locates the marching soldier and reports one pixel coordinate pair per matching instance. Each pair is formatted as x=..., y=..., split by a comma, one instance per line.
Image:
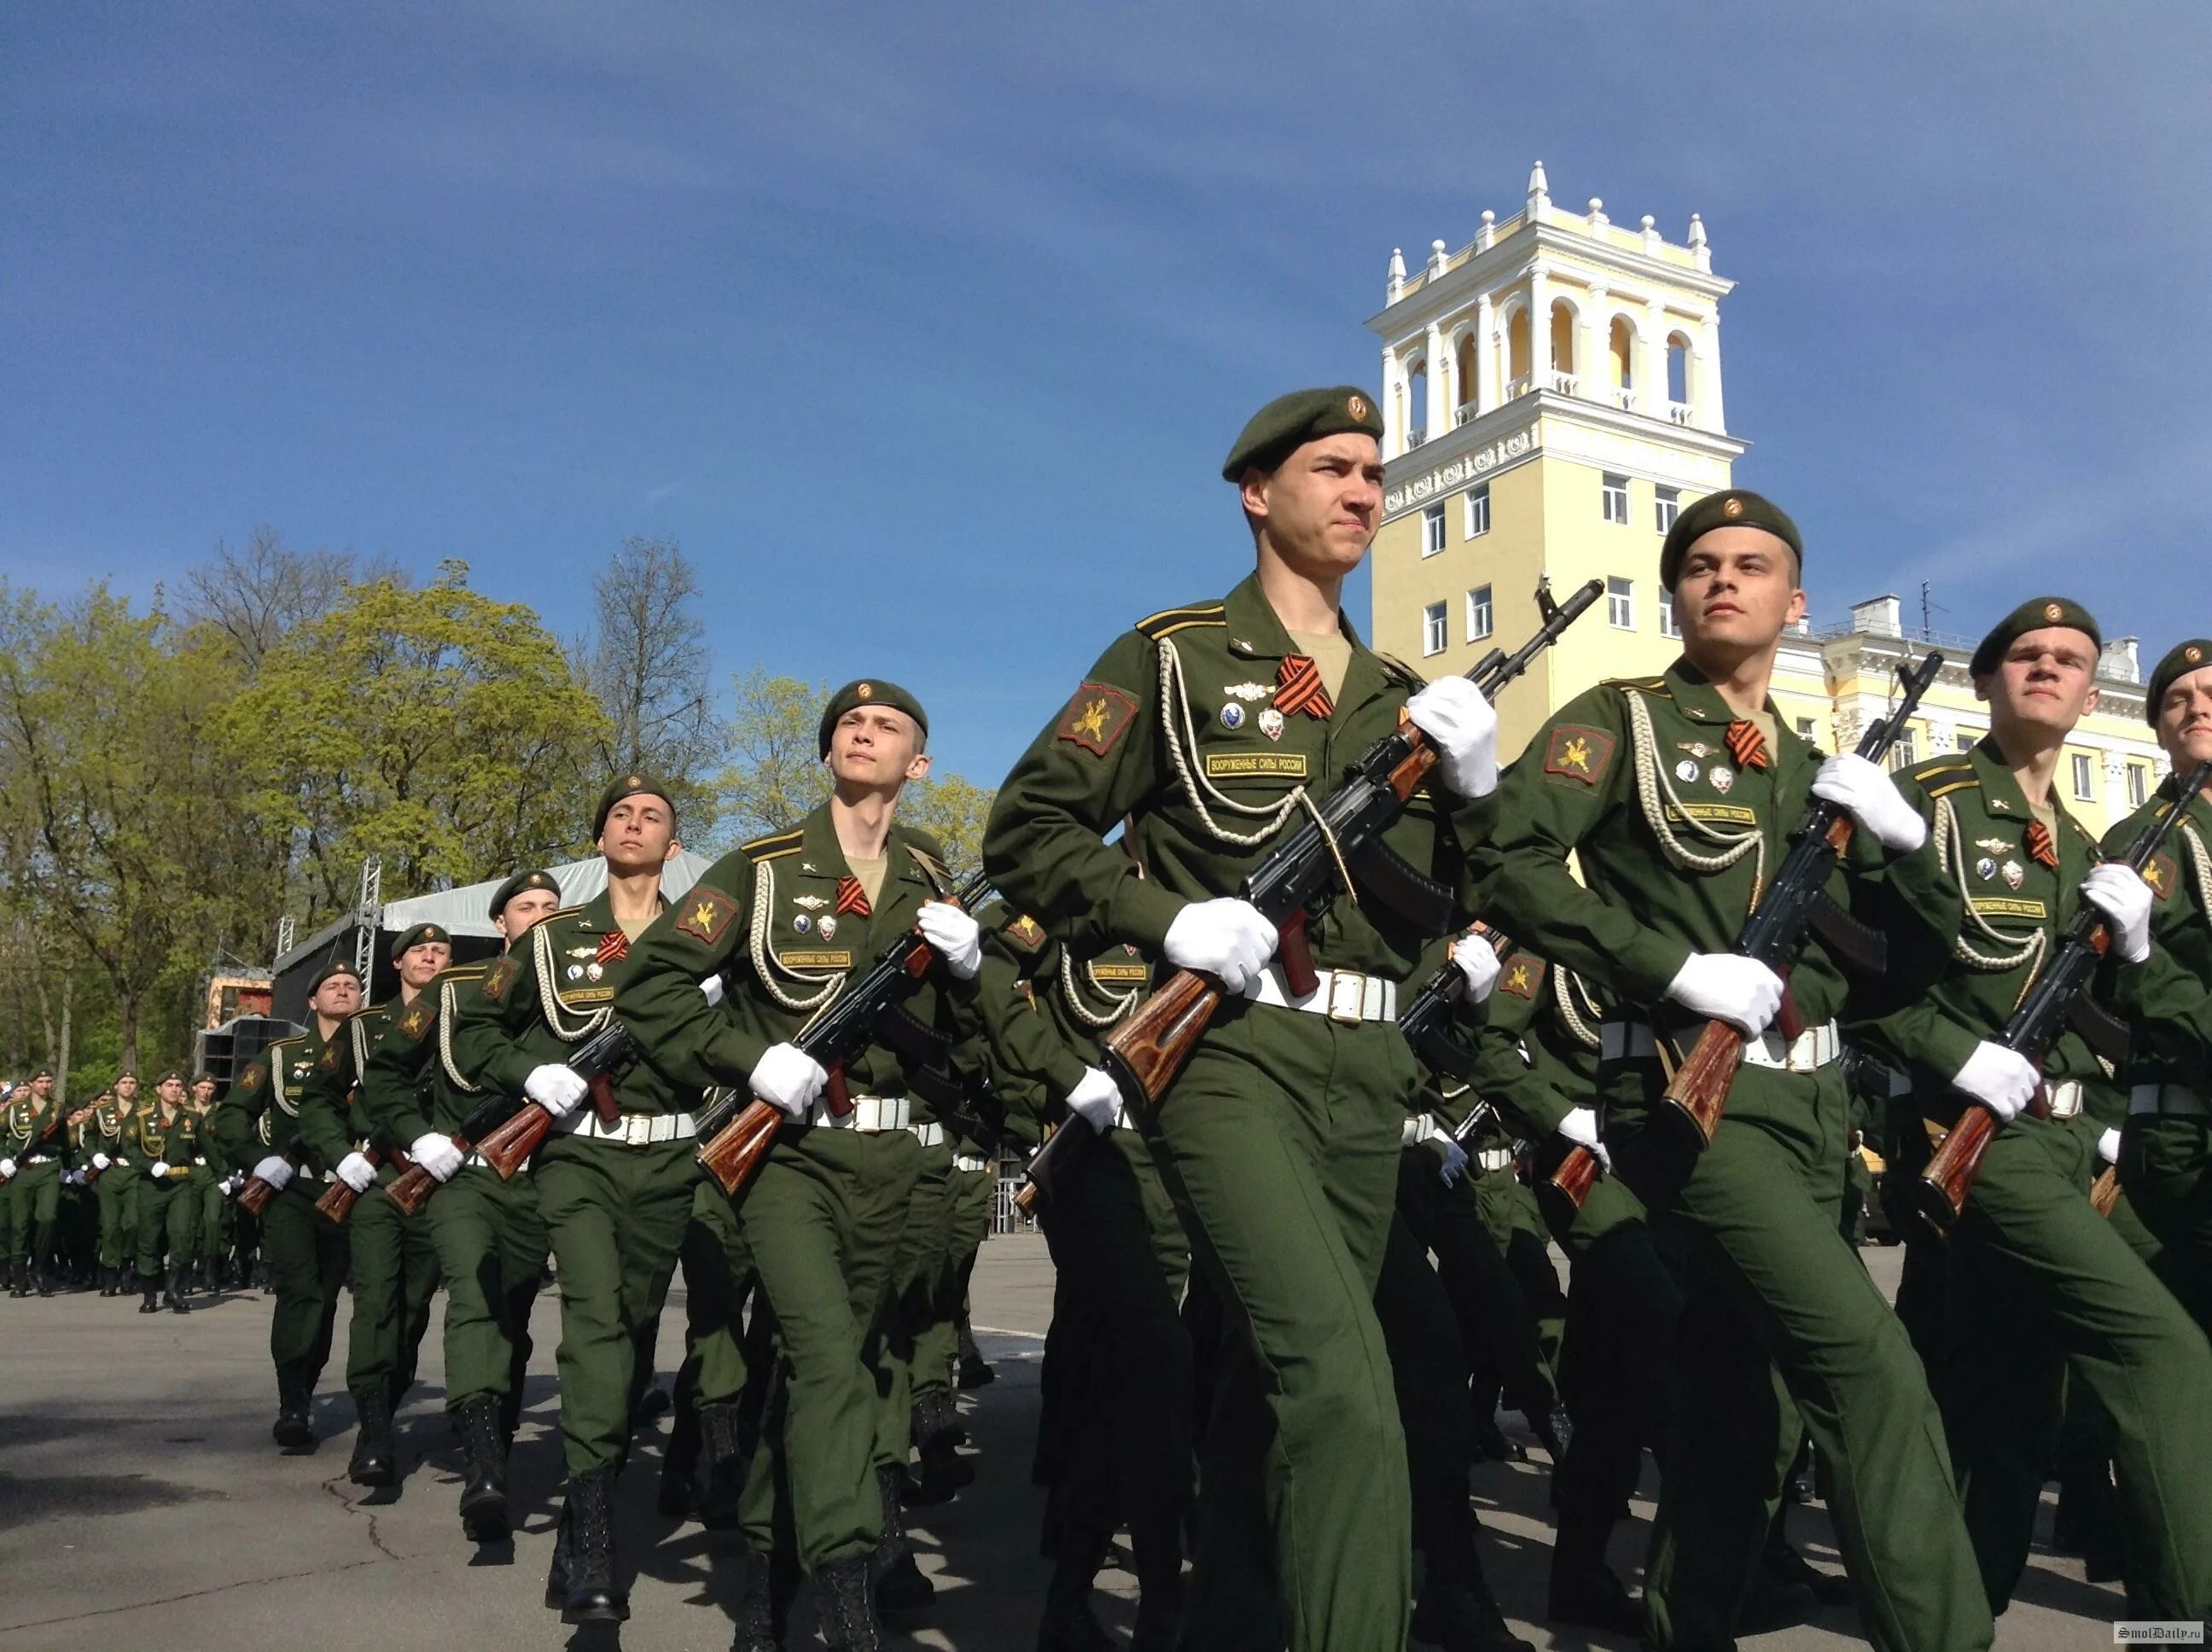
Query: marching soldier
x=167, y=1137
x=34, y=1143
x=2038, y=1282
x=490, y=1240
x=211, y=1174
x=784, y=921
x=1211, y=727
x=614, y=1197
x=119, y=1189
x=257, y=1123
x=1674, y=793
x=103, y=1159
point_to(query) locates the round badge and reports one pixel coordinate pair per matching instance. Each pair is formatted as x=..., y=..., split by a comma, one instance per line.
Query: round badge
x=1732, y=507
x=865, y=690
x=1723, y=778
x=2192, y=653
x=1271, y=723
x=592, y=971
x=575, y=972
x=2052, y=611
x=802, y=923
x=1232, y=716
x=1357, y=407
x=827, y=928
x=1986, y=869
x=1686, y=771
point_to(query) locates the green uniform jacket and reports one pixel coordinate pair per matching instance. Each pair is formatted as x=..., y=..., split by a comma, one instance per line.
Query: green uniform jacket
x=2168, y=998
x=555, y=989
x=330, y=1122
x=758, y=918
x=1531, y=1062
x=1046, y=1016
x=23, y=1127
x=1171, y=727
x=175, y=1143
x=103, y=1132
x=410, y=1084
x=259, y=1115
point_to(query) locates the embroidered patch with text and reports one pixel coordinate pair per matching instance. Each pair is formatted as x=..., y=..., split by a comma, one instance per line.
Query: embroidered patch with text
x=1272, y=765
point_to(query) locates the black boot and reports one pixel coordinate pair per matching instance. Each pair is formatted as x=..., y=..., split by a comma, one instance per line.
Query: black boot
x=945, y=1472
x=556, y=1575
x=846, y=1613
x=1554, y=1431
x=1585, y=1592
x=592, y=1596
x=899, y=1584
x=42, y=1279
x=1069, y=1623
x=724, y=1431
x=151, y=1284
x=974, y=1370
x=107, y=1281
x=1156, y=1546
x=175, y=1298
x=1456, y=1610
x=483, y=1493
x=679, y=1478
x=371, y=1463
x=295, y=1399
x=762, y=1606
x=19, y=1278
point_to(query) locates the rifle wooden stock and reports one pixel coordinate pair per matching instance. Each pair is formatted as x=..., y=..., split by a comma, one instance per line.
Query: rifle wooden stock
x=1577, y=1172
x=338, y=1199
x=1147, y=1050
x=1949, y=1176
x=1062, y=1151
x=733, y=1155
x=255, y=1196
x=507, y=1147
x=2105, y=1192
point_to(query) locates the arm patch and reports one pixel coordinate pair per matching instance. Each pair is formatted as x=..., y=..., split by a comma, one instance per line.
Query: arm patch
x=1578, y=753
x=253, y=1078
x=501, y=976
x=1096, y=716
x=1522, y=976
x=1025, y=932
x=2163, y=875
x=707, y=914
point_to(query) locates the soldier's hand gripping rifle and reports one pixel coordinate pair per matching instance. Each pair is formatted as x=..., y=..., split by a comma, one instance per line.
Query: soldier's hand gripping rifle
x=255, y=1196
x=1297, y=882
x=338, y=1199
x=594, y=1060
x=737, y=1134
x=417, y=1184
x=1796, y=907
x=2051, y=1005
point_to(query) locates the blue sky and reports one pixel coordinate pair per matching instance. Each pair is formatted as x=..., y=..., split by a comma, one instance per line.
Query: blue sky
x=924, y=329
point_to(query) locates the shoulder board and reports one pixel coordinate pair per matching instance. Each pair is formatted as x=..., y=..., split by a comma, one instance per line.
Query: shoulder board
x=462, y=971
x=1394, y=667
x=1934, y=767
x=368, y=1010
x=286, y=1043
x=1940, y=781
x=1168, y=620
x=1641, y=684
x=562, y=912
x=775, y=844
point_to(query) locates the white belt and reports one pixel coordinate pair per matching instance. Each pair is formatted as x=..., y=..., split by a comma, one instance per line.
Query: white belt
x=1419, y=1128
x=929, y=1135
x=2066, y=1098
x=1814, y=1047
x=871, y=1115
x=630, y=1129
x=970, y=1163
x=48, y=1158
x=2169, y=1099
x=1342, y=995
x=1491, y=1160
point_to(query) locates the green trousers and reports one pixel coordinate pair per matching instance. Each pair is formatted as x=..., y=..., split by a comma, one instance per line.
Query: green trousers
x=2166, y=1164
x=37, y=1203
x=8, y=1193
x=824, y=1220
x=491, y=1247
x=2041, y=1287
x=718, y=1277
x=395, y=1275
x=306, y=1254
x=1516, y=1222
x=1770, y=1282
x=916, y=1364
x=616, y=1216
x=218, y=1218
x=1497, y=1321
x=967, y=1195
x=169, y=1223
x=1280, y=1144
x=1429, y=1368
x=116, y=1190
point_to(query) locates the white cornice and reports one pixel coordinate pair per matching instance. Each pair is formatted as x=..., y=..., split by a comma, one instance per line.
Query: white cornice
x=1459, y=286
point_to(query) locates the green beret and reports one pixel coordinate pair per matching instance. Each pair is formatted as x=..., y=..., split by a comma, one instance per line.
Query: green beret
x=1731, y=507
x=43, y=1072
x=636, y=783
x=417, y=936
x=335, y=967
x=1289, y=422
x=519, y=882
x=178, y=1073
x=868, y=691
x=2180, y=660
x=2036, y=614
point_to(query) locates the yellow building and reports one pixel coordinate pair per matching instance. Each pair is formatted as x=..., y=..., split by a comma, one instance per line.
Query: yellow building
x=1552, y=397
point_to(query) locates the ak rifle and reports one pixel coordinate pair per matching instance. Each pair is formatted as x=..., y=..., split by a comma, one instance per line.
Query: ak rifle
x=594, y=1060
x=2051, y=1006
x=1795, y=907
x=255, y=1196
x=736, y=1133
x=338, y=1199
x=417, y=1184
x=1297, y=882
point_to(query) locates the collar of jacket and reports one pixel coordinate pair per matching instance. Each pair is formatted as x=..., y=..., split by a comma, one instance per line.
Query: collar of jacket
x=821, y=857
x=1254, y=633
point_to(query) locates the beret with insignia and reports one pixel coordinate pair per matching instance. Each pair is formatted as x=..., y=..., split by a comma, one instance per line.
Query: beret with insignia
x=519, y=882
x=1731, y=507
x=43, y=1072
x=1288, y=422
x=177, y=1074
x=335, y=967
x=868, y=691
x=2180, y=660
x=2036, y=614
x=419, y=935
x=633, y=783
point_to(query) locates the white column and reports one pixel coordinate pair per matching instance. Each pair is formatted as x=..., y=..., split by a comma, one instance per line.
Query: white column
x=1393, y=425
x=1539, y=328
x=1652, y=361
x=1486, y=354
x=1440, y=370
x=1597, y=348
x=1708, y=414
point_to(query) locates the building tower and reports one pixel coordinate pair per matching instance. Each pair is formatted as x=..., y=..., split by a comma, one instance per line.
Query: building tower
x=1552, y=397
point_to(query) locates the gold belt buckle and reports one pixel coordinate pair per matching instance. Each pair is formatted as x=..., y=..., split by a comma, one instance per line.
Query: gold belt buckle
x=1347, y=997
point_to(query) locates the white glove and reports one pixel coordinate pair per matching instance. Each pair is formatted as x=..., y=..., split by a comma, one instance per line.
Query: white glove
x=710, y=988
x=953, y=936
x=6, y=1167
x=2119, y=892
x=158, y=1168
x=2002, y=1080
x=233, y=1182
x=276, y=1171
x=436, y=1154
x=1227, y=938
x=1455, y=1155
x=788, y=1077
x=1725, y=987
x=1095, y=1100
x=2108, y=1146
x=356, y=1172
x=1862, y=787
x=556, y=1088
x=1479, y=964
x=1580, y=1127
x=100, y=1161
x=1463, y=729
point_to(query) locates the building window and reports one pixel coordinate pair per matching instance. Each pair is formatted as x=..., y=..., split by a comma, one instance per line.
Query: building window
x=1432, y=530
x=2084, y=778
x=1667, y=626
x=1805, y=730
x=1616, y=499
x=1667, y=505
x=1908, y=747
x=1620, y=603
x=1479, y=621
x=2138, y=786
x=1966, y=740
x=1478, y=511
x=1417, y=415
x=1433, y=629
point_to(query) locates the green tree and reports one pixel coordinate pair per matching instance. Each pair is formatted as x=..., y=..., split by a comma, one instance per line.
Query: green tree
x=647, y=661
x=952, y=811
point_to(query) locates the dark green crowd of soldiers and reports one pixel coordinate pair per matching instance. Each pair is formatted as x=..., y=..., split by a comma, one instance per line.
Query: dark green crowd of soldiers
x=1292, y=1289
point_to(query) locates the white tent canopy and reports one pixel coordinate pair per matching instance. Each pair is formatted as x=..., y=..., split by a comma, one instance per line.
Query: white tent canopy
x=461, y=911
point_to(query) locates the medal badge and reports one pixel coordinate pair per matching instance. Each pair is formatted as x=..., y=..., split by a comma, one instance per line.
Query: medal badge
x=1232, y=716
x=809, y=903
x=1247, y=692
x=1695, y=748
x=1723, y=779
x=594, y=970
x=1271, y=723
x=1994, y=845
x=827, y=926
x=1986, y=869
x=802, y=923
x=575, y=972
x=2015, y=874
x=1686, y=771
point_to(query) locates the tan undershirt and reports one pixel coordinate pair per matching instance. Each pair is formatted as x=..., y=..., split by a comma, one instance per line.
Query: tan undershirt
x=1765, y=723
x=871, y=874
x=633, y=927
x=2048, y=814
x=1332, y=652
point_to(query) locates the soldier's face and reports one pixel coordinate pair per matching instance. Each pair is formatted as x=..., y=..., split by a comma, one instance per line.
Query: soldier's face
x=172, y=1092
x=42, y=1086
x=1318, y=508
x=420, y=963
x=203, y=1093
x=337, y=997
x=877, y=748
x=1737, y=587
x=2047, y=680
x=2185, y=717
x=639, y=834
x=522, y=911
x=127, y=1090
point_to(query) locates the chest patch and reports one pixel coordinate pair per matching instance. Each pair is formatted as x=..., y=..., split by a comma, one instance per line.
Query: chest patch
x=1282, y=765
x=1990, y=906
x=816, y=958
